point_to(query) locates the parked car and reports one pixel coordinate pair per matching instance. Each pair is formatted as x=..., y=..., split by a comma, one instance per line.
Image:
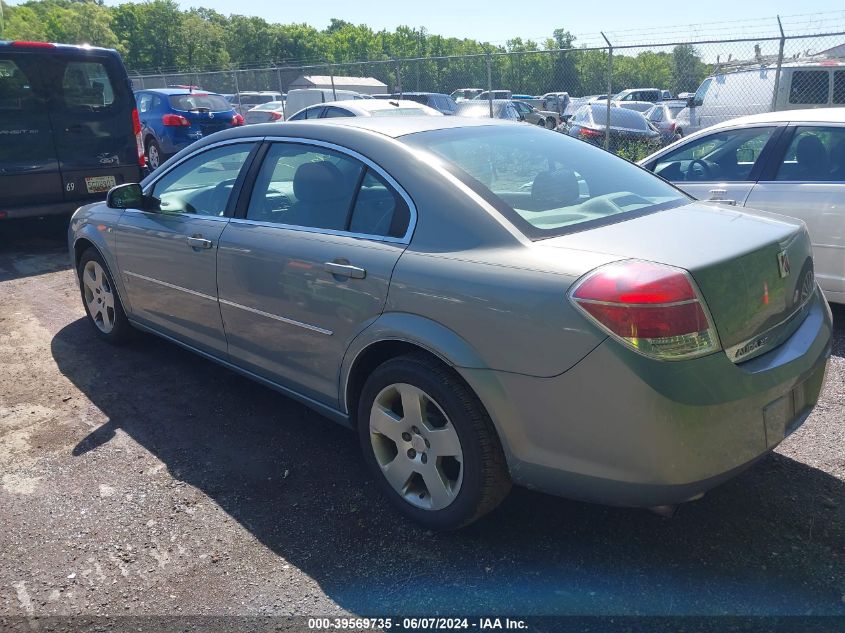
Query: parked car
x=173, y=118
x=790, y=162
x=465, y=94
x=443, y=103
x=530, y=114
x=502, y=109
x=626, y=126
x=575, y=325
x=364, y=108
x=266, y=113
x=555, y=102
x=68, y=126
x=496, y=94
x=248, y=99
x=748, y=91
x=641, y=99
x=576, y=103
x=662, y=116
x=303, y=97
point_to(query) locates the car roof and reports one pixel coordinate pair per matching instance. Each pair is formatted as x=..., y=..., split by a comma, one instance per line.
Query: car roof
x=178, y=91
x=392, y=126
x=365, y=106
x=405, y=92
x=810, y=115
x=54, y=47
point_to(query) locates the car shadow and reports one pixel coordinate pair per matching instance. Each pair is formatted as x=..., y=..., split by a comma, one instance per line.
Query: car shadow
x=33, y=246
x=768, y=542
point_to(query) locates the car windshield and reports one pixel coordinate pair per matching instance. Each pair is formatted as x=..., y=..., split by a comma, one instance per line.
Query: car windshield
x=547, y=184
x=197, y=101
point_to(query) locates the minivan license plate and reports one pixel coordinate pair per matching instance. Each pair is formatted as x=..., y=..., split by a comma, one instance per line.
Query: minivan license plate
x=99, y=184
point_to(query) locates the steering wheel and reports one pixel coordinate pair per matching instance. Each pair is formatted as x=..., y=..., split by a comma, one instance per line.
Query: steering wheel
x=697, y=170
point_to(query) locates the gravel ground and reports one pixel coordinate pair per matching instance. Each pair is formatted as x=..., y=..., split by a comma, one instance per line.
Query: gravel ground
x=145, y=480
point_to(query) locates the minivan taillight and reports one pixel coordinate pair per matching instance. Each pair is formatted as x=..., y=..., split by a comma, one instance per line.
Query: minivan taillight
x=175, y=120
x=237, y=120
x=654, y=309
x=139, y=140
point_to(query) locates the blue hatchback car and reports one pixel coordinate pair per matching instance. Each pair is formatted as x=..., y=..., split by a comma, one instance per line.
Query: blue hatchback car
x=173, y=118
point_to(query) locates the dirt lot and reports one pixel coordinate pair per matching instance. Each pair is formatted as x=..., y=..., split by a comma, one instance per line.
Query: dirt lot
x=145, y=480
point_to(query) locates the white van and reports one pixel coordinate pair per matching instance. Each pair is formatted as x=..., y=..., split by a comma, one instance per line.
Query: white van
x=304, y=97
x=751, y=91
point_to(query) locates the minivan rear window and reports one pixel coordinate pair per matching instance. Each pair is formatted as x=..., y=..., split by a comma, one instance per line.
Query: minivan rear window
x=809, y=87
x=87, y=85
x=199, y=103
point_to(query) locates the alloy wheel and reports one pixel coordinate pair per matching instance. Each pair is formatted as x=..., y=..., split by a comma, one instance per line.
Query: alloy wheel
x=99, y=296
x=416, y=446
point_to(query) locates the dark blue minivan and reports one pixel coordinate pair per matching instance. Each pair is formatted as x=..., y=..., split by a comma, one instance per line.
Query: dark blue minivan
x=69, y=130
x=173, y=118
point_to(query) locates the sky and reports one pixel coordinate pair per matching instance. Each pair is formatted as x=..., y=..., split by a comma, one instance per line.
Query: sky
x=496, y=21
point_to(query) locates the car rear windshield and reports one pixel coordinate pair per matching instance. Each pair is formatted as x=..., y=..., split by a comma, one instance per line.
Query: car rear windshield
x=200, y=102
x=619, y=117
x=547, y=184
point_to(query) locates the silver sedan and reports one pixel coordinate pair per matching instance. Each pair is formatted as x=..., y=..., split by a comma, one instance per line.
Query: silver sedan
x=484, y=303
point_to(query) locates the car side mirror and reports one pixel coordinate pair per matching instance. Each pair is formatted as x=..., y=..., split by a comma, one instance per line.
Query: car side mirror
x=129, y=196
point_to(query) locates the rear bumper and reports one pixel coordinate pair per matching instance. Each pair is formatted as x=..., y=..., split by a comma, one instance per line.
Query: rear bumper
x=622, y=429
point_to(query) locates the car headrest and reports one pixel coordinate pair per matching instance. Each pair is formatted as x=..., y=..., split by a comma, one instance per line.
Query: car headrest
x=810, y=153
x=558, y=188
x=317, y=182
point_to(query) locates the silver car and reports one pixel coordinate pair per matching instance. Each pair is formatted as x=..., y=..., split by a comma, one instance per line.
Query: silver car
x=484, y=303
x=787, y=162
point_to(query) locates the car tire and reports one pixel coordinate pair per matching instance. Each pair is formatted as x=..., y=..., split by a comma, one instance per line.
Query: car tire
x=679, y=132
x=443, y=467
x=154, y=156
x=551, y=123
x=541, y=122
x=100, y=298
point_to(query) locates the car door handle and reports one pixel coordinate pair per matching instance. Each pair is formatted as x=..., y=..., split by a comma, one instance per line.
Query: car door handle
x=198, y=242
x=344, y=270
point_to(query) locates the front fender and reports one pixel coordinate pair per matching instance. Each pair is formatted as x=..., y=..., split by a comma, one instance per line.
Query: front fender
x=96, y=224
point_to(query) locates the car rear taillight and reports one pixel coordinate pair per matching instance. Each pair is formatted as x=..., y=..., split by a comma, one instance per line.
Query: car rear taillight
x=175, y=120
x=588, y=133
x=654, y=309
x=276, y=116
x=139, y=139
x=237, y=120
x=672, y=126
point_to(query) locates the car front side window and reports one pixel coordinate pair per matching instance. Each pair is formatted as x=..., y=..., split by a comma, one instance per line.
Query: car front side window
x=202, y=184
x=725, y=156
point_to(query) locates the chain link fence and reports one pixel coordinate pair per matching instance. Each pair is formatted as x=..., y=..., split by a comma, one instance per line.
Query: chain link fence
x=699, y=81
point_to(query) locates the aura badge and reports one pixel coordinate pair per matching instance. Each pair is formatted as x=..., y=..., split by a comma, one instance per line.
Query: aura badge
x=783, y=264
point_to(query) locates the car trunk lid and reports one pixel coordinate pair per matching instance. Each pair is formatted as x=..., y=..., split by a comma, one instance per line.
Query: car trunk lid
x=754, y=270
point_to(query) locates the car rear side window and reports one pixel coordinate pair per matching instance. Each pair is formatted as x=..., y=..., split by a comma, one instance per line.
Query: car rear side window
x=379, y=210
x=87, y=85
x=16, y=89
x=809, y=87
x=307, y=186
x=816, y=154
